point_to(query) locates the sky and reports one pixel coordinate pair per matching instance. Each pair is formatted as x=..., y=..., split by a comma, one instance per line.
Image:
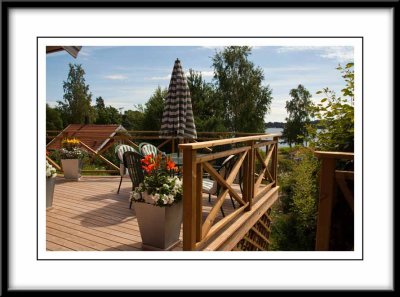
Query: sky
x=125, y=76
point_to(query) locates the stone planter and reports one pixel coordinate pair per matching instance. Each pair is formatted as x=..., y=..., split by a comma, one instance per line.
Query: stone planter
x=50, y=182
x=159, y=226
x=72, y=168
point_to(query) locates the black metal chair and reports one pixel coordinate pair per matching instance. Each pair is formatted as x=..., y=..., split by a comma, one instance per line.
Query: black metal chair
x=211, y=187
x=119, y=151
x=132, y=162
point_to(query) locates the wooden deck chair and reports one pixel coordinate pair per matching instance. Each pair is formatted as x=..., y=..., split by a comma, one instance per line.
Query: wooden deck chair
x=119, y=151
x=211, y=187
x=132, y=162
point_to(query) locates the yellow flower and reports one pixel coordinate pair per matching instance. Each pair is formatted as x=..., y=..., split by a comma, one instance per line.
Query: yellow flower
x=70, y=142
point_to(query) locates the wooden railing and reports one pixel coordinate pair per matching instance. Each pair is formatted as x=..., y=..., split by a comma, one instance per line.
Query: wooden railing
x=258, y=192
x=133, y=138
x=332, y=180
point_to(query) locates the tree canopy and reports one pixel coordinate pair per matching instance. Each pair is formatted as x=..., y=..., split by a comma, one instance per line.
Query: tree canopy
x=336, y=116
x=76, y=108
x=239, y=85
x=207, y=110
x=298, y=108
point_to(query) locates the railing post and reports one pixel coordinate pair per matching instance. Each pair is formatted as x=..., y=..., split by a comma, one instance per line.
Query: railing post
x=199, y=201
x=326, y=194
x=275, y=161
x=248, y=176
x=189, y=199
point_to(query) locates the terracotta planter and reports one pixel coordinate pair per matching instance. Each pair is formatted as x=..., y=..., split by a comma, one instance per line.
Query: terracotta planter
x=50, y=181
x=159, y=226
x=72, y=168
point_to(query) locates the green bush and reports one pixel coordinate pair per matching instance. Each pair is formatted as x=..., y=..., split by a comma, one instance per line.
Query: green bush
x=294, y=217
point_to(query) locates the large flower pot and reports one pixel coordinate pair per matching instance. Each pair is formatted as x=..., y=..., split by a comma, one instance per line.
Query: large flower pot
x=159, y=226
x=50, y=181
x=72, y=168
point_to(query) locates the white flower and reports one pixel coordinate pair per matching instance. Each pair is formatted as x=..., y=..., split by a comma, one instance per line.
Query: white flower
x=50, y=170
x=171, y=199
x=136, y=196
x=165, y=199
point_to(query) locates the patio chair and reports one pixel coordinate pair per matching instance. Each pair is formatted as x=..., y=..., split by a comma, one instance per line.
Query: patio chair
x=147, y=149
x=132, y=162
x=119, y=151
x=211, y=187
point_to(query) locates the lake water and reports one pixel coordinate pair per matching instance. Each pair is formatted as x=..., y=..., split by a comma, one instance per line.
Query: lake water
x=277, y=130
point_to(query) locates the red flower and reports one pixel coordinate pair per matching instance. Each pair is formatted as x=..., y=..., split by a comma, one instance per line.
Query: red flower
x=149, y=168
x=171, y=165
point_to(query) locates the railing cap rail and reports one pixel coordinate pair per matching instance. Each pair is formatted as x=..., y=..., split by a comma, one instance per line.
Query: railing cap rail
x=334, y=155
x=211, y=143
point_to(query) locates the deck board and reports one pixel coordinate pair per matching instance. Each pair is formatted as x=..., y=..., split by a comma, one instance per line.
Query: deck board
x=89, y=215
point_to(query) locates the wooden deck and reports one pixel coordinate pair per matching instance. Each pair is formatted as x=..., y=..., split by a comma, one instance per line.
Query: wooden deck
x=89, y=215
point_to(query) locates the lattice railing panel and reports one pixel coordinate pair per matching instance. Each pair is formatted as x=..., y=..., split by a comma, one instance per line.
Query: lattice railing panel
x=257, y=238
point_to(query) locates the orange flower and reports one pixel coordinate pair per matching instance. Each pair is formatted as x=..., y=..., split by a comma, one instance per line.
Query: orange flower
x=171, y=165
x=148, y=159
x=149, y=168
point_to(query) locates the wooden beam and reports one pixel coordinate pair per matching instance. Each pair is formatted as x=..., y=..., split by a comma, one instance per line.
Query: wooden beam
x=212, y=143
x=252, y=242
x=100, y=156
x=334, y=155
x=326, y=194
x=222, y=182
x=199, y=201
x=164, y=143
x=274, y=168
x=221, y=198
x=264, y=143
x=348, y=195
x=251, y=168
x=210, y=157
x=189, y=199
x=218, y=227
x=254, y=229
x=235, y=232
x=54, y=164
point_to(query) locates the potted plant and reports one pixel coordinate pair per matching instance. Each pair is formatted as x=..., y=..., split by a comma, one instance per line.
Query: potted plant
x=50, y=180
x=158, y=203
x=71, y=158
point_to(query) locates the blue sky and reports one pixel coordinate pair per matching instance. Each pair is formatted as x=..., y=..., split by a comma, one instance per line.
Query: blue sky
x=128, y=75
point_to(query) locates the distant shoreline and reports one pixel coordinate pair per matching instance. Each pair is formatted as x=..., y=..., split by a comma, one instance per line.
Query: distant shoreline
x=282, y=124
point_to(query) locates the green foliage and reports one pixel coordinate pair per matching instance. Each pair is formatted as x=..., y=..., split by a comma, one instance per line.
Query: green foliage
x=53, y=118
x=298, y=108
x=336, y=116
x=106, y=115
x=76, y=108
x=206, y=109
x=154, y=109
x=294, y=218
x=239, y=85
x=133, y=119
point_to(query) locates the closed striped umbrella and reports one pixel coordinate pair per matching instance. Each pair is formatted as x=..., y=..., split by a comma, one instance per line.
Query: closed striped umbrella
x=177, y=120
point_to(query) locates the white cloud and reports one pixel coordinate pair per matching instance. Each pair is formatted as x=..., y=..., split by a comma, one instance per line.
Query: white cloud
x=84, y=52
x=339, y=53
x=287, y=49
x=289, y=69
x=206, y=73
x=116, y=77
x=166, y=77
